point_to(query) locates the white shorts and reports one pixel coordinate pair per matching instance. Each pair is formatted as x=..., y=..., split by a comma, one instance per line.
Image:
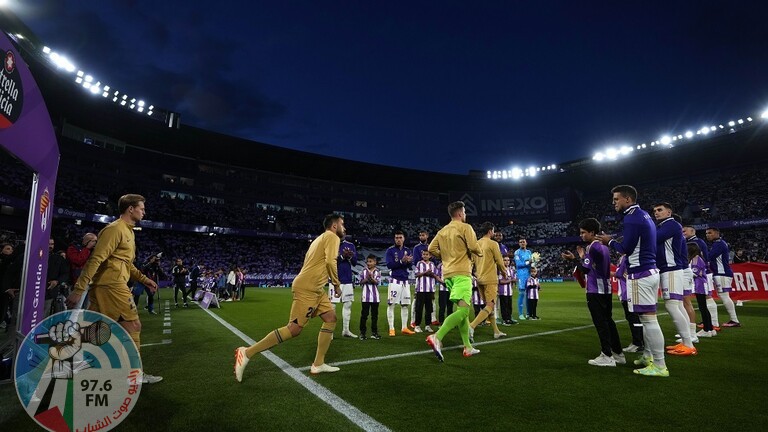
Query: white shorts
x=399, y=293
x=710, y=282
x=643, y=293
x=688, y=289
x=347, y=293
x=723, y=283
x=672, y=284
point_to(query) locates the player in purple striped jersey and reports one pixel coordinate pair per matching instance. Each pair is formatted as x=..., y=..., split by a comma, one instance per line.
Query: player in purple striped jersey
x=422, y=246
x=719, y=263
x=671, y=260
x=639, y=244
x=370, y=278
x=444, y=302
x=689, y=231
x=499, y=237
x=425, y=291
x=506, y=291
x=701, y=289
x=595, y=263
x=532, y=288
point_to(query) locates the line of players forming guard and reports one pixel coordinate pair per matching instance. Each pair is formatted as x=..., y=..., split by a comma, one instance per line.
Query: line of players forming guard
x=655, y=254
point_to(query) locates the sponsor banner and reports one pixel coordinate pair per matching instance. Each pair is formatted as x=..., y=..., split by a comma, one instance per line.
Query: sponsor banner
x=531, y=204
x=750, y=281
x=27, y=133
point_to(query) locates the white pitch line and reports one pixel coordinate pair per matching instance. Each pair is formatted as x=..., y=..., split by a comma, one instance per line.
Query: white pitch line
x=359, y=418
x=429, y=351
x=164, y=342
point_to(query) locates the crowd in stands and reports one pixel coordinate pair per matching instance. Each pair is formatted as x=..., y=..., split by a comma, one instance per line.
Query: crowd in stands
x=727, y=195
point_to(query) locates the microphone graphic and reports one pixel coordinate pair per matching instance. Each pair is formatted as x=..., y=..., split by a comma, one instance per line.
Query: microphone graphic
x=97, y=333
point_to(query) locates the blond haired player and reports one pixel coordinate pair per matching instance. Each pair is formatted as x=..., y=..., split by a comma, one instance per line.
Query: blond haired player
x=110, y=268
x=309, y=299
x=454, y=244
x=488, y=266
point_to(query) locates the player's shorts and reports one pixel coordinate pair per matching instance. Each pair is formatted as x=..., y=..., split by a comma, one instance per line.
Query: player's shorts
x=347, y=294
x=710, y=282
x=672, y=284
x=399, y=292
x=460, y=287
x=489, y=292
x=115, y=302
x=643, y=291
x=688, y=288
x=308, y=304
x=723, y=283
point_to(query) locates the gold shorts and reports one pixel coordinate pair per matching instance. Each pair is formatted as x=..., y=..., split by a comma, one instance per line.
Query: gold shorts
x=115, y=302
x=489, y=292
x=308, y=304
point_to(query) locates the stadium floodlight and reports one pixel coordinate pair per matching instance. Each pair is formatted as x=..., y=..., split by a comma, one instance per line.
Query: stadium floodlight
x=625, y=150
x=95, y=89
x=704, y=130
x=122, y=103
x=504, y=175
x=666, y=139
x=689, y=134
x=141, y=103
x=679, y=137
x=86, y=85
x=764, y=114
x=125, y=97
x=140, y=109
x=599, y=156
x=151, y=107
x=713, y=128
x=731, y=123
x=721, y=126
x=19, y=35
x=749, y=118
x=740, y=121
x=78, y=80
x=487, y=174
x=516, y=173
x=114, y=99
x=149, y=113
x=46, y=50
x=105, y=94
x=106, y=88
x=644, y=145
x=133, y=100
x=88, y=78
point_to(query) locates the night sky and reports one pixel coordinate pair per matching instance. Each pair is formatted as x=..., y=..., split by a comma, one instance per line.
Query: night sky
x=440, y=85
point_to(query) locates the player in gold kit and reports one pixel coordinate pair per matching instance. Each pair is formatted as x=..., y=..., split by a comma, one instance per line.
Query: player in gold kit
x=309, y=300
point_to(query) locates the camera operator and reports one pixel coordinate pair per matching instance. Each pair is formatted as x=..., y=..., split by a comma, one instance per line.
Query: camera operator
x=58, y=274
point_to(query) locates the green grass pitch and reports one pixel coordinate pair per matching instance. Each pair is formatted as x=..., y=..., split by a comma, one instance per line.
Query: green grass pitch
x=537, y=379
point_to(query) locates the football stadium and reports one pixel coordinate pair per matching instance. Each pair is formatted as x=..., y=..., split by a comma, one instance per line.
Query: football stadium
x=226, y=233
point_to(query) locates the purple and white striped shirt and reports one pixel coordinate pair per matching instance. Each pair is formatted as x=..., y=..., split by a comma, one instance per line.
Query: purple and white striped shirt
x=506, y=289
x=370, y=291
x=439, y=273
x=425, y=283
x=532, y=288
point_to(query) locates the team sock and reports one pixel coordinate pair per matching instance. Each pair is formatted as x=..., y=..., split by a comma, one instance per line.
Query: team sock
x=729, y=306
x=273, y=338
x=136, y=337
x=346, y=314
x=391, y=316
x=654, y=339
x=404, y=315
x=712, y=308
x=480, y=317
x=680, y=319
x=460, y=315
x=324, y=341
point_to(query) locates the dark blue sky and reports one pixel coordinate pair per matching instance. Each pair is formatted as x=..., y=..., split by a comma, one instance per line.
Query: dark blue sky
x=440, y=85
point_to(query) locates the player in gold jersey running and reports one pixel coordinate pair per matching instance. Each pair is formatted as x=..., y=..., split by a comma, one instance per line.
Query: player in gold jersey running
x=309, y=300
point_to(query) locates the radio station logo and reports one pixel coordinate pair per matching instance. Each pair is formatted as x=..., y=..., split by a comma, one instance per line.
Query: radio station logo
x=78, y=371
